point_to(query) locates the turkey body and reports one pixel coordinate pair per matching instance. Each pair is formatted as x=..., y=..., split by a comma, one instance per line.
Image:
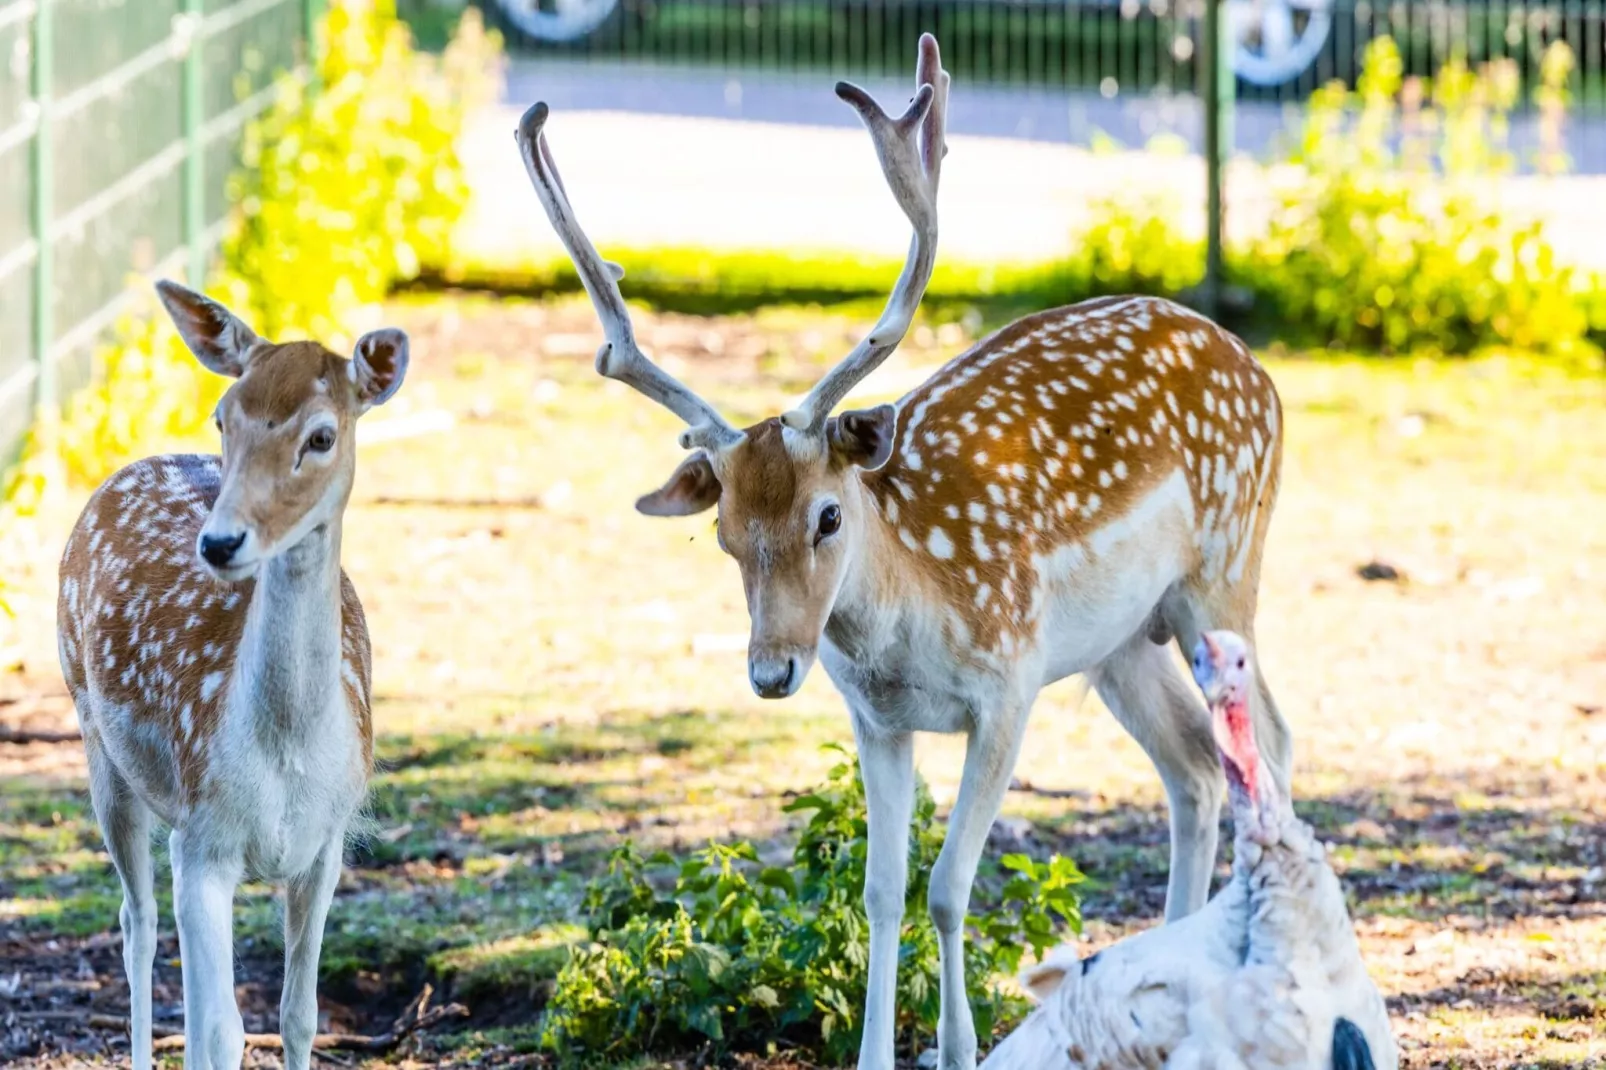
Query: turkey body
x=1260, y=979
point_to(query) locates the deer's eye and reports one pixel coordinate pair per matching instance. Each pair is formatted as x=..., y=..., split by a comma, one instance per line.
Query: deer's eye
x=321, y=440
x=830, y=522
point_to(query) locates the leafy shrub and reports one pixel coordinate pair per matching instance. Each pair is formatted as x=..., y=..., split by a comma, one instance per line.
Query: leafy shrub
x=149, y=389
x=1383, y=241
x=349, y=184
x=1133, y=246
x=738, y=955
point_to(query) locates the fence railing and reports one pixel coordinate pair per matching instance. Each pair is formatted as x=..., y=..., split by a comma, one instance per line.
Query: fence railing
x=118, y=130
x=1282, y=49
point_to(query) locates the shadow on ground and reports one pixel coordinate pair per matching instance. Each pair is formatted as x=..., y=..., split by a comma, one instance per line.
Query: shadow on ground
x=479, y=847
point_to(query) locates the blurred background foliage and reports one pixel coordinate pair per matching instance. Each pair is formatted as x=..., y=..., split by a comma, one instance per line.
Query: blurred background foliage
x=1380, y=239
x=347, y=185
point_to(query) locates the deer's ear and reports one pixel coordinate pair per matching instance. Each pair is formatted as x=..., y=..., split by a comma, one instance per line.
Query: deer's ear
x=1042, y=980
x=864, y=437
x=379, y=365
x=219, y=339
x=693, y=488
x=1045, y=978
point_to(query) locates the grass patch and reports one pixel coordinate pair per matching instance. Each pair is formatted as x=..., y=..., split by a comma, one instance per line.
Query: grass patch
x=726, y=282
x=513, y=965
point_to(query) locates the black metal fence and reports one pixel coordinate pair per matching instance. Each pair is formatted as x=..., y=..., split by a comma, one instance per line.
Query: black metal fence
x=1282, y=48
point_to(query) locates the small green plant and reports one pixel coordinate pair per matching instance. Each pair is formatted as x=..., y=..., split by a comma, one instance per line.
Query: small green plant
x=737, y=955
x=1552, y=98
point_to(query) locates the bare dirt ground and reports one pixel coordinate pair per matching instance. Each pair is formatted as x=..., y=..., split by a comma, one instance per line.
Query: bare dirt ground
x=555, y=673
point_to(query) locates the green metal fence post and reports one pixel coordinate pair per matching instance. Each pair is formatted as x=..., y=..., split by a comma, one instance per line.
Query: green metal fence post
x=1219, y=92
x=194, y=150
x=42, y=213
x=313, y=10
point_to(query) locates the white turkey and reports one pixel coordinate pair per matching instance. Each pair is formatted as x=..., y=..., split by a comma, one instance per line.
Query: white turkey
x=1267, y=976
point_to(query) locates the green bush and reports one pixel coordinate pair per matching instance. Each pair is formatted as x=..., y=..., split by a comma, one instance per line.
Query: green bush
x=1383, y=241
x=351, y=183
x=148, y=390
x=1383, y=235
x=1133, y=246
x=742, y=956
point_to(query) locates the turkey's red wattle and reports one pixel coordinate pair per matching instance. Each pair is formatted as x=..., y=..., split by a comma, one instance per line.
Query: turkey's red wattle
x=1235, y=736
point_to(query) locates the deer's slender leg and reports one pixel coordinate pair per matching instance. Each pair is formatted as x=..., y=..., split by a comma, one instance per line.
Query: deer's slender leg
x=306, y=906
x=125, y=822
x=203, y=900
x=989, y=760
x=886, y=761
x=1140, y=684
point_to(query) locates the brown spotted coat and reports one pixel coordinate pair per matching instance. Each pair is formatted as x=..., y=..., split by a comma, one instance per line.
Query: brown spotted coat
x=1038, y=435
x=145, y=626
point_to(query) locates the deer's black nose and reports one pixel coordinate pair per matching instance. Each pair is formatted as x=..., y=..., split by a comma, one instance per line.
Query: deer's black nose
x=772, y=677
x=219, y=550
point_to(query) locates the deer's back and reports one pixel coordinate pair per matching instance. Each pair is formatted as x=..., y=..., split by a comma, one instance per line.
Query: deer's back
x=1056, y=438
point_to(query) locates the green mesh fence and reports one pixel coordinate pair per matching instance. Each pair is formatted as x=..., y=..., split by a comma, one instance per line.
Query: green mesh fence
x=119, y=121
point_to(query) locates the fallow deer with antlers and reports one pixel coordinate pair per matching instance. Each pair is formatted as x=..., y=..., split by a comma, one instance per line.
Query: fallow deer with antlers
x=219, y=660
x=1067, y=496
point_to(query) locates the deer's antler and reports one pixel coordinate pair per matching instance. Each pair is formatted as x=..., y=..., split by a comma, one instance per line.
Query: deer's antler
x=619, y=357
x=911, y=148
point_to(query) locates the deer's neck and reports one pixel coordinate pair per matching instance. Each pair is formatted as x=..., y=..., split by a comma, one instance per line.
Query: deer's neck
x=289, y=660
x=885, y=597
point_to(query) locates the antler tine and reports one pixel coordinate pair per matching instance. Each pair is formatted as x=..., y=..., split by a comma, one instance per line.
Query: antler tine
x=933, y=140
x=910, y=148
x=619, y=357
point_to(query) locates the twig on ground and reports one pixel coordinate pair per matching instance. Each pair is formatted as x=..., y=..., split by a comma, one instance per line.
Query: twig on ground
x=112, y=1022
x=27, y=735
x=417, y=1017
x=1028, y=788
x=334, y=1057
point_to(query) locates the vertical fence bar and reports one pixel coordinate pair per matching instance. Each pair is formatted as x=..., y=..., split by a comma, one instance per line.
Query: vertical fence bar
x=194, y=148
x=311, y=12
x=1218, y=94
x=42, y=211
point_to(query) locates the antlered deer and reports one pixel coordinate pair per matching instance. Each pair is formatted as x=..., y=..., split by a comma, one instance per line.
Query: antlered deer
x=219, y=661
x=1067, y=496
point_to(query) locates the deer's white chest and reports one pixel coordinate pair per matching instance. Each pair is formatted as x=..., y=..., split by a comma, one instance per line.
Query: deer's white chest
x=281, y=794
x=900, y=672
x=914, y=667
x=1097, y=591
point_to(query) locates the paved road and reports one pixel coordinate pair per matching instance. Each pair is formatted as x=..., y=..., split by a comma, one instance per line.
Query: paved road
x=1053, y=118
x=778, y=164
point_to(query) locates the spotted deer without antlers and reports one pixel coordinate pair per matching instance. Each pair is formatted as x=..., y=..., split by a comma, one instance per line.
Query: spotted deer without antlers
x=219, y=660
x=1068, y=496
